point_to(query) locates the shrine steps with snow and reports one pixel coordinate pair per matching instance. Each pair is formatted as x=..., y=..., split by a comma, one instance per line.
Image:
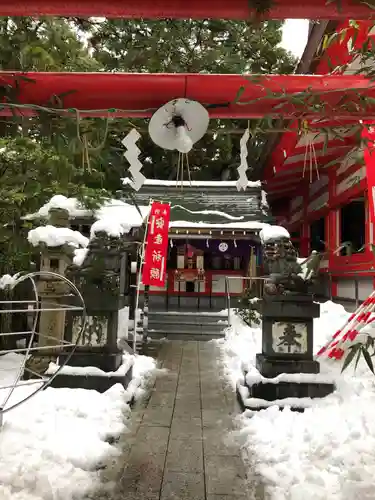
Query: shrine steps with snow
x=192, y=325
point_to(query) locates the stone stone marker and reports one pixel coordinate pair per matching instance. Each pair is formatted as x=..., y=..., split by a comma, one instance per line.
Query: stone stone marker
x=288, y=311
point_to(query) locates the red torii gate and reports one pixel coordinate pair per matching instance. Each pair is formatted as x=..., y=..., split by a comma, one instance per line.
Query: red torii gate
x=140, y=94
x=185, y=9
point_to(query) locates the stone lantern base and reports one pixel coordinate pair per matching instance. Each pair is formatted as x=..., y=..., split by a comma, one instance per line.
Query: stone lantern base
x=101, y=382
x=286, y=373
x=88, y=368
x=101, y=357
x=96, y=362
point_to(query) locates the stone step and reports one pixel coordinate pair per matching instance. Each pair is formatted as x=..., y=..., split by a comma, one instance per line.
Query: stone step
x=188, y=313
x=187, y=328
x=182, y=334
x=188, y=317
x=160, y=320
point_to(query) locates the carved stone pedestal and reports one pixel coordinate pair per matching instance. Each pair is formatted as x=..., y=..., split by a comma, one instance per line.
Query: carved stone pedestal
x=286, y=373
x=287, y=335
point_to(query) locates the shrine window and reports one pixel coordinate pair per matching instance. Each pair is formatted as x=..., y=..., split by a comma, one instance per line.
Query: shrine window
x=317, y=235
x=353, y=227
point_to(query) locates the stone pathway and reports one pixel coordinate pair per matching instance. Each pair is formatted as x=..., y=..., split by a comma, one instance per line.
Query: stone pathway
x=177, y=447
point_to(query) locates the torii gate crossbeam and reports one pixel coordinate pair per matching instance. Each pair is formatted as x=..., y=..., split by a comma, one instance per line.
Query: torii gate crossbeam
x=188, y=9
x=140, y=94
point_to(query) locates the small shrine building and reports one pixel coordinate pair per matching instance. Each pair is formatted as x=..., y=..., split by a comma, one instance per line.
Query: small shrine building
x=213, y=233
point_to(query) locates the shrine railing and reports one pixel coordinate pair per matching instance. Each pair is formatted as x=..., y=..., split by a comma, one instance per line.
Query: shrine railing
x=252, y=284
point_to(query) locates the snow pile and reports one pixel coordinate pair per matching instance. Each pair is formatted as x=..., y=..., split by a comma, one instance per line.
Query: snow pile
x=240, y=347
x=56, y=236
x=269, y=233
x=51, y=446
x=111, y=209
x=71, y=205
x=8, y=281
x=113, y=227
x=326, y=452
x=127, y=363
x=114, y=217
x=80, y=255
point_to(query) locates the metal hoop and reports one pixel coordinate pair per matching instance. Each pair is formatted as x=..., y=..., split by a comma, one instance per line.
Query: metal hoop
x=44, y=383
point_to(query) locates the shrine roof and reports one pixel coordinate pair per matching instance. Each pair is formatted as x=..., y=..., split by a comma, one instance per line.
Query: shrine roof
x=208, y=204
x=289, y=155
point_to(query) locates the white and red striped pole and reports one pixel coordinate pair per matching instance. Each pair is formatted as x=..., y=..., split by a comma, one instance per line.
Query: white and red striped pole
x=336, y=347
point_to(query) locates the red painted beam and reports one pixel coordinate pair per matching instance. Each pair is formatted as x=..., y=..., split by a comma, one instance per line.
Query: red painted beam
x=185, y=9
x=140, y=94
x=335, y=55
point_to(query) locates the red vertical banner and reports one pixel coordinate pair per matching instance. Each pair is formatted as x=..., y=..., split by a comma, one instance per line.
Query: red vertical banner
x=369, y=156
x=156, y=251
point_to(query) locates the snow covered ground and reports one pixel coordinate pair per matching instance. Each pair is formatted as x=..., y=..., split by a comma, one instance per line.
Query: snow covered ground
x=51, y=446
x=326, y=452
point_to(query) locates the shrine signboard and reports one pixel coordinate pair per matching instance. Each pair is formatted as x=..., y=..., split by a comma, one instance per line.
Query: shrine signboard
x=156, y=250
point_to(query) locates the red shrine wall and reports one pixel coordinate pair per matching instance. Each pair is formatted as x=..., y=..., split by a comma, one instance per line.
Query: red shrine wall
x=323, y=204
x=326, y=199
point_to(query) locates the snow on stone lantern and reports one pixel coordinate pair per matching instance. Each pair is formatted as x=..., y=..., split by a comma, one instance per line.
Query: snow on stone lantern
x=55, y=243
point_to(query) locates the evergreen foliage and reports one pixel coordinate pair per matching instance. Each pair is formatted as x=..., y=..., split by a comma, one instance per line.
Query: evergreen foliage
x=51, y=154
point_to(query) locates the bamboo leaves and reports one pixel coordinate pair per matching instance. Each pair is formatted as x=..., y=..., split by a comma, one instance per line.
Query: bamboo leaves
x=359, y=350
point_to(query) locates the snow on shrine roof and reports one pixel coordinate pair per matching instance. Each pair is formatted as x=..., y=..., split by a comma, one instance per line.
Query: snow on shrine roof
x=246, y=225
x=205, y=204
x=221, y=184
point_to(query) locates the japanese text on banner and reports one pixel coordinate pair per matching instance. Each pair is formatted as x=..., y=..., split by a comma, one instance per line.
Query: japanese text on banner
x=156, y=252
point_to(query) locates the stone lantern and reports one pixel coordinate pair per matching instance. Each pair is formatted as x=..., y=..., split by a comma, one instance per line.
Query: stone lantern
x=52, y=290
x=104, y=281
x=53, y=294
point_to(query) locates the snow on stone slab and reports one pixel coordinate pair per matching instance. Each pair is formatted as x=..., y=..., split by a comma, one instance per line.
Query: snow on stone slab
x=91, y=370
x=269, y=233
x=51, y=446
x=254, y=377
x=56, y=236
x=326, y=452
